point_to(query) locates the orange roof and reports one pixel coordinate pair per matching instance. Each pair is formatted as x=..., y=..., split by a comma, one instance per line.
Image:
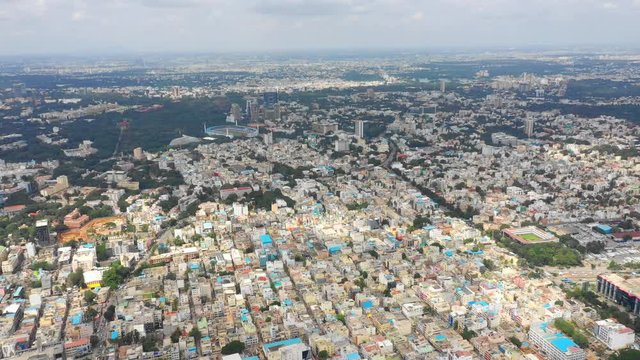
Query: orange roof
x=79, y=342
x=12, y=208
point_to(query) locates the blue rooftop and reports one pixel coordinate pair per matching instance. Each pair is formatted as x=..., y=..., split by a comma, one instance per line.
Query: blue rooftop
x=481, y=303
x=76, y=319
x=604, y=228
x=353, y=356
x=563, y=343
x=558, y=339
x=266, y=239
x=287, y=342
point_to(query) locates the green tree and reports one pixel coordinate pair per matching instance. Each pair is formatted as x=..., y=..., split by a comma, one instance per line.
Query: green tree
x=489, y=264
x=102, y=252
x=44, y=265
x=175, y=335
x=90, y=314
x=515, y=341
x=323, y=355
x=195, y=333
x=110, y=313
x=115, y=275
x=89, y=297
x=234, y=347
x=149, y=344
x=468, y=334
x=76, y=278
x=626, y=354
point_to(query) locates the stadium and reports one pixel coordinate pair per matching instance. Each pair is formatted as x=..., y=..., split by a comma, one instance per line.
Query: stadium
x=529, y=235
x=231, y=131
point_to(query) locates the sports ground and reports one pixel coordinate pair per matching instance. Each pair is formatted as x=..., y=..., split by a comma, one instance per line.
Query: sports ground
x=530, y=235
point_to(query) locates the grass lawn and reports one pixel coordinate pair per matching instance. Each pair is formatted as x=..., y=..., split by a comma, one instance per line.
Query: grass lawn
x=531, y=237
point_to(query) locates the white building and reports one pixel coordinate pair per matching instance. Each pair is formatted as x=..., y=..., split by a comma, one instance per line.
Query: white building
x=360, y=129
x=341, y=145
x=291, y=349
x=616, y=336
x=85, y=258
x=412, y=310
x=554, y=343
x=528, y=126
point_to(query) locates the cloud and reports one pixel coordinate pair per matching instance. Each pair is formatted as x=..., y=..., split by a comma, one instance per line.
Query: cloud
x=311, y=7
x=176, y=3
x=78, y=15
x=417, y=16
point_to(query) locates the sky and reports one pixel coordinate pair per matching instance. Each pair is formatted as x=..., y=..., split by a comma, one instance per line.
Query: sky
x=77, y=27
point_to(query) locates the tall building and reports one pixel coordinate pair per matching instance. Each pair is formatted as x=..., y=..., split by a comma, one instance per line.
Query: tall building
x=236, y=112
x=443, y=86
x=528, y=126
x=277, y=112
x=270, y=99
x=42, y=232
x=268, y=138
x=341, y=145
x=138, y=154
x=360, y=129
x=254, y=110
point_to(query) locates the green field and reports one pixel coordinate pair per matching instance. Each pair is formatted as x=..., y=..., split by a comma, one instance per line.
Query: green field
x=531, y=237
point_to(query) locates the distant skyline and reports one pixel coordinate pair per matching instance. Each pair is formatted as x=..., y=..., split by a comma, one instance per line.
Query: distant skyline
x=77, y=27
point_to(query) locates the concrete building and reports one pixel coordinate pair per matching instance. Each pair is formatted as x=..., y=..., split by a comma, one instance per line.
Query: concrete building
x=359, y=129
x=616, y=336
x=554, y=343
x=74, y=219
x=341, y=145
x=42, y=232
x=61, y=184
x=85, y=259
x=625, y=292
x=291, y=349
x=528, y=126
x=13, y=261
x=138, y=154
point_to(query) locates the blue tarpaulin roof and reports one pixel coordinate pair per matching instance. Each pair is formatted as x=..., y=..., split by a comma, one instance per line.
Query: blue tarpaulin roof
x=266, y=239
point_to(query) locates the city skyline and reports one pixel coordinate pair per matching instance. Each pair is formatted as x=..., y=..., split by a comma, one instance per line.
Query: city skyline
x=81, y=27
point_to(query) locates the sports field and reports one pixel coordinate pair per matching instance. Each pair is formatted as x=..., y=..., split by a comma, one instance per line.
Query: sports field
x=531, y=237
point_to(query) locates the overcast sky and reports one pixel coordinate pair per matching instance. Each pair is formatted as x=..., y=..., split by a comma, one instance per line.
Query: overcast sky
x=103, y=26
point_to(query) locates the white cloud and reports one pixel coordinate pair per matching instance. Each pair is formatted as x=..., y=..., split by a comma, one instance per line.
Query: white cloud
x=417, y=16
x=78, y=15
